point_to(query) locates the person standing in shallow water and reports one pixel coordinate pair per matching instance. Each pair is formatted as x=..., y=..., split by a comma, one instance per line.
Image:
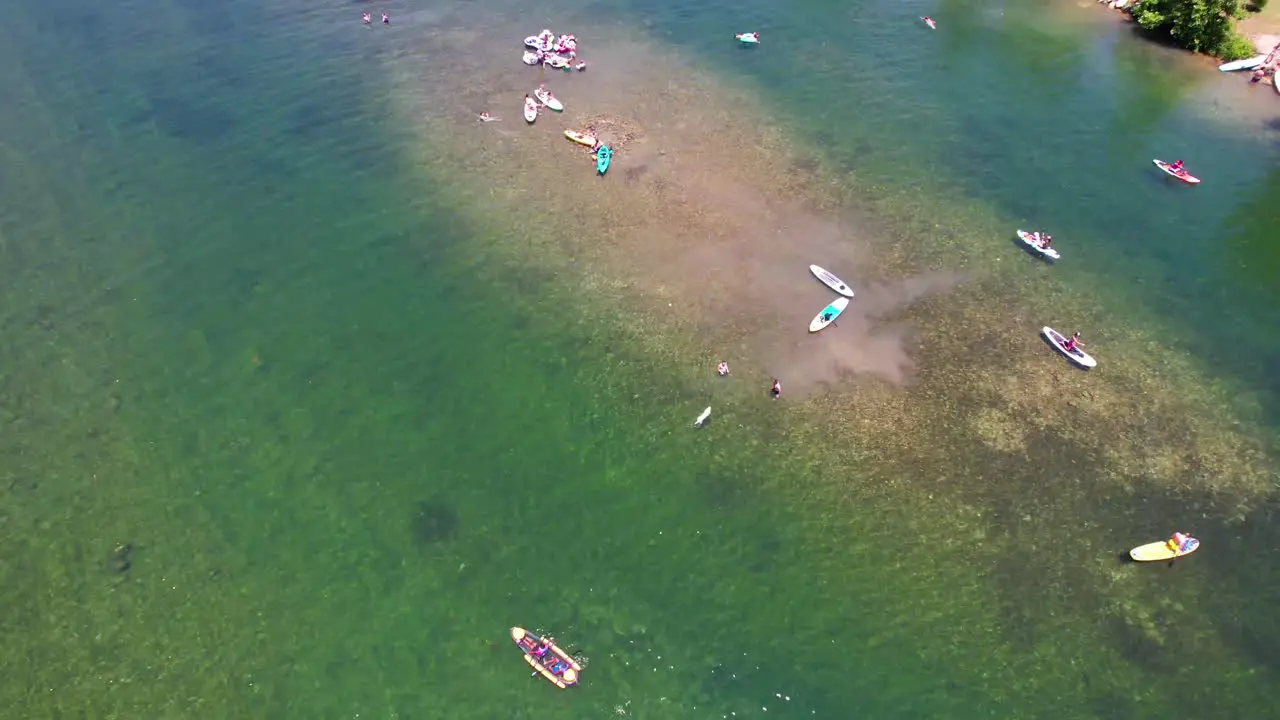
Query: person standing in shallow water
x=776, y=390
x=367, y=19
x=386, y=19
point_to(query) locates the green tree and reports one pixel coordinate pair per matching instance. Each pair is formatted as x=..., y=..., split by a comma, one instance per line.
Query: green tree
x=1206, y=26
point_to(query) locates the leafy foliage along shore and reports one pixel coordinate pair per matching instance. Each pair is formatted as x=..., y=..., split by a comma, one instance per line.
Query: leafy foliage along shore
x=1207, y=26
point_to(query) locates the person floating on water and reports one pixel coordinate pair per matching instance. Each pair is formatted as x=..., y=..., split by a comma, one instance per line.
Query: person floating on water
x=1181, y=542
x=722, y=369
x=486, y=117
x=1073, y=343
x=776, y=390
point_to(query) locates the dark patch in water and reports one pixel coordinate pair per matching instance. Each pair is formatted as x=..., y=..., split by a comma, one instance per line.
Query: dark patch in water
x=433, y=522
x=180, y=118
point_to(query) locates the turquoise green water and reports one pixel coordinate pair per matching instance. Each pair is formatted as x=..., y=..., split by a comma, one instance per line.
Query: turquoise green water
x=246, y=338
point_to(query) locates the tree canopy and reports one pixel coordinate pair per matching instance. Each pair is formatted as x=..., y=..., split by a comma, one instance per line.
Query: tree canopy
x=1206, y=26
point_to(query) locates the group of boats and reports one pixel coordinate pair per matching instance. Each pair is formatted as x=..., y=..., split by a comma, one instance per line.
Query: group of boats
x=541, y=653
x=546, y=47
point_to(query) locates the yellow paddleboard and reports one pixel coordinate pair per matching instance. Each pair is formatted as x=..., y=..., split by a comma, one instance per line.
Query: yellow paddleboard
x=580, y=138
x=1157, y=551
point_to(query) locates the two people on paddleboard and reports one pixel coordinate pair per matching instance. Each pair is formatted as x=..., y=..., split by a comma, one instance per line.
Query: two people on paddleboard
x=1181, y=542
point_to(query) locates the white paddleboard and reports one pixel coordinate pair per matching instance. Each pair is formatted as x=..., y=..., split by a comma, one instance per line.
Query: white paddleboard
x=747, y=38
x=1030, y=241
x=1246, y=64
x=532, y=41
x=703, y=417
x=831, y=281
x=828, y=314
x=530, y=110
x=546, y=98
x=1077, y=356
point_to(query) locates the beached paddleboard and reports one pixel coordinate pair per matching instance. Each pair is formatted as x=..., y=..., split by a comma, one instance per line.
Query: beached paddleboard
x=828, y=314
x=604, y=155
x=747, y=38
x=831, y=281
x=530, y=109
x=1029, y=240
x=1184, y=176
x=1077, y=356
x=1246, y=64
x=546, y=98
x=529, y=642
x=529, y=58
x=581, y=138
x=1157, y=551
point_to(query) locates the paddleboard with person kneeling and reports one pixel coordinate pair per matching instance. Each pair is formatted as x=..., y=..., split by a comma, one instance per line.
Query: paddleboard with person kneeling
x=1069, y=346
x=1176, y=170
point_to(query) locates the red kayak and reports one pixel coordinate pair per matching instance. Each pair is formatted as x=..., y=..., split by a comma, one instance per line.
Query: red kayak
x=1182, y=175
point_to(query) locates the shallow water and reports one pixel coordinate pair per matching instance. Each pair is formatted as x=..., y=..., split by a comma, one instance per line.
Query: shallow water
x=256, y=338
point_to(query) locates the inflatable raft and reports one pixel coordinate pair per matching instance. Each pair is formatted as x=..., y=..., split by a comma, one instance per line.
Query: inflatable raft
x=556, y=665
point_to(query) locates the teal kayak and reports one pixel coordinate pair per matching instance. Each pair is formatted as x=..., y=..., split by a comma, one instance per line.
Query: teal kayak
x=603, y=156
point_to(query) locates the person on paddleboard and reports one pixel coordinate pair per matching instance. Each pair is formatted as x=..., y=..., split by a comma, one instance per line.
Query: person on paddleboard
x=1176, y=166
x=722, y=369
x=1073, y=342
x=776, y=390
x=1180, y=542
x=1045, y=239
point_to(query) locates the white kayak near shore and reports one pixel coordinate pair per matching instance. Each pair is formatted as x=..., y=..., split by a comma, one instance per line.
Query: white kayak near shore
x=1246, y=64
x=828, y=314
x=831, y=281
x=546, y=98
x=1030, y=241
x=1077, y=356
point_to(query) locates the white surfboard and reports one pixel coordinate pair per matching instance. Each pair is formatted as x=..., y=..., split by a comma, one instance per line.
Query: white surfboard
x=1246, y=64
x=1030, y=241
x=1077, y=356
x=828, y=314
x=530, y=109
x=831, y=281
x=546, y=98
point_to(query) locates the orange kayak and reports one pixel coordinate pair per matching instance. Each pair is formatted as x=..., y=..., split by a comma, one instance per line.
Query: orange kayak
x=556, y=665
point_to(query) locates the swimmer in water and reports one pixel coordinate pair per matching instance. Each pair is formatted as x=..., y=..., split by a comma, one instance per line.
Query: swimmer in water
x=386, y=19
x=367, y=19
x=486, y=117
